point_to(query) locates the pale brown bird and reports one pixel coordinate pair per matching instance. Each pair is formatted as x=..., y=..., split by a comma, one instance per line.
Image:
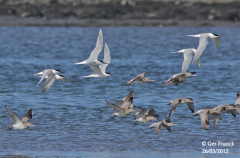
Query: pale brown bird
x=145, y=116
x=17, y=123
x=177, y=101
x=140, y=79
x=164, y=124
x=126, y=102
x=226, y=109
x=179, y=78
x=204, y=116
x=119, y=111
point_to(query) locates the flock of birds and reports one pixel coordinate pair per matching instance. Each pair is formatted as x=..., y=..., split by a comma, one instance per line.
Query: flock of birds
x=125, y=107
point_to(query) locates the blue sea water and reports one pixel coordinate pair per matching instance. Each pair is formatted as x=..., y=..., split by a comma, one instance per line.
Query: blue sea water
x=71, y=117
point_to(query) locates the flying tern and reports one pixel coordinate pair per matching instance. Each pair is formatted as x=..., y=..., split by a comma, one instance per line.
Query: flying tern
x=92, y=60
x=188, y=54
x=99, y=72
x=51, y=76
x=50, y=83
x=203, y=41
x=48, y=72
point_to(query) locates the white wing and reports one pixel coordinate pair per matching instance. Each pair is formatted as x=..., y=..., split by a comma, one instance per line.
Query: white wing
x=50, y=75
x=203, y=41
x=216, y=41
x=46, y=72
x=64, y=79
x=187, y=60
x=98, y=48
x=96, y=70
x=107, y=58
x=48, y=86
x=198, y=62
x=14, y=117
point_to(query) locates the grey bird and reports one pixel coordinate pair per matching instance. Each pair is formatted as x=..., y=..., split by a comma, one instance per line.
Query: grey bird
x=203, y=41
x=179, y=78
x=237, y=103
x=126, y=102
x=119, y=111
x=151, y=112
x=145, y=116
x=177, y=101
x=226, y=109
x=17, y=123
x=204, y=116
x=140, y=79
x=163, y=124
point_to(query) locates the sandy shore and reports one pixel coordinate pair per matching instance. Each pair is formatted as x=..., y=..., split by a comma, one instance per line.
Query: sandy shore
x=32, y=21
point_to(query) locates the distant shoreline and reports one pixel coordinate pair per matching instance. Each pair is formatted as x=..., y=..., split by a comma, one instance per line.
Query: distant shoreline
x=32, y=21
x=119, y=13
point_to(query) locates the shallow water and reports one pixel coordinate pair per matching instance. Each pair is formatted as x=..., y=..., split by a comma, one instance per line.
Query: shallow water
x=71, y=117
